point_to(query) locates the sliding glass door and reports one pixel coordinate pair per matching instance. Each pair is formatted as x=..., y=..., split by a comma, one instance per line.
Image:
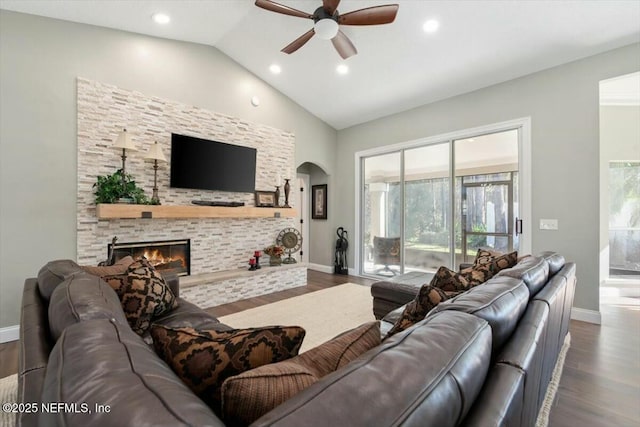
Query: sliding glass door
x=487, y=178
x=436, y=204
x=382, y=219
x=427, y=203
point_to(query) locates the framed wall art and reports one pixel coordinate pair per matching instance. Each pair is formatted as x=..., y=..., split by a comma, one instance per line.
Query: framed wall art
x=319, y=201
x=265, y=199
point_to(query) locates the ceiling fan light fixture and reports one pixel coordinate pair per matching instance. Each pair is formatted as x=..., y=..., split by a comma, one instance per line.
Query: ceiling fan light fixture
x=326, y=28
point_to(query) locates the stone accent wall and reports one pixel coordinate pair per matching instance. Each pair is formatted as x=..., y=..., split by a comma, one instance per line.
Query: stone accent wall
x=267, y=281
x=217, y=244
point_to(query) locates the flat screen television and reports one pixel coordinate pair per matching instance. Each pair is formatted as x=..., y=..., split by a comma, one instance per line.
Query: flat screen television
x=202, y=164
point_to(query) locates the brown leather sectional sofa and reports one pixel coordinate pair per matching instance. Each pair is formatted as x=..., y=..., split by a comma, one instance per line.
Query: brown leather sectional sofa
x=484, y=358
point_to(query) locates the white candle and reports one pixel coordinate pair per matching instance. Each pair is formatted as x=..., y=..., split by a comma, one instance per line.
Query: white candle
x=279, y=181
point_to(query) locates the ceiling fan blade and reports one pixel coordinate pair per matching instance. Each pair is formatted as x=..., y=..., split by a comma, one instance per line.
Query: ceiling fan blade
x=280, y=8
x=330, y=6
x=343, y=45
x=370, y=16
x=299, y=42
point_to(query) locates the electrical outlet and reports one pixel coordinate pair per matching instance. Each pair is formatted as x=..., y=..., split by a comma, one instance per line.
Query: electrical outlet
x=548, y=224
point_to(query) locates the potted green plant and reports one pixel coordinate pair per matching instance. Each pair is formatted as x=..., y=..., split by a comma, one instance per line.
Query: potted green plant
x=119, y=188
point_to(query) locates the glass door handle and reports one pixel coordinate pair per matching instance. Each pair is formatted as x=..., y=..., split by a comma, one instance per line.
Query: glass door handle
x=518, y=226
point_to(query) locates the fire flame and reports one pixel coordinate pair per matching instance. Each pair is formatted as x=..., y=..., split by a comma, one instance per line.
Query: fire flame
x=156, y=258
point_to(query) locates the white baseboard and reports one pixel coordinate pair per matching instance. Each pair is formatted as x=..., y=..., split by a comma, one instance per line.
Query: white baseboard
x=10, y=333
x=329, y=269
x=320, y=267
x=584, y=315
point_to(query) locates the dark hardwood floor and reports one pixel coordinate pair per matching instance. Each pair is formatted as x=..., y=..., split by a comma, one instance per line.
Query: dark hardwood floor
x=600, y=384
x=8, y=358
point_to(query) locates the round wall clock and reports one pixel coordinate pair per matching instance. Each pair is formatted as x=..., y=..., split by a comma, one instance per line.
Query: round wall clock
x=291, y=239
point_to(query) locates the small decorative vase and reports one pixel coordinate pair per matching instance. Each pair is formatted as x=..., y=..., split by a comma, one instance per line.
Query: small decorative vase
x=287, y=189
x=275, y=261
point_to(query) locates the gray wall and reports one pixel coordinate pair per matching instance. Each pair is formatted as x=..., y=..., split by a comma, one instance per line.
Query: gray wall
x=563, y=105
x=40, y=59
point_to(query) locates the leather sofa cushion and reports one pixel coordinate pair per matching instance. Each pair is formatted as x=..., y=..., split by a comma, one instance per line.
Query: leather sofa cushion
x=248, y=396
x=555, y=261
x=502, y=399
x=82, y=297
x=104, y=362
x=204, y=359
x=525, y=350
x=447, y=355
x=189, y=315
x=501, y=302
x=53, y=273
x=533, y=270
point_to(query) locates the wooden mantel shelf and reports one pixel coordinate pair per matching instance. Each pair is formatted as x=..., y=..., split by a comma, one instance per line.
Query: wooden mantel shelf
x=117, y=211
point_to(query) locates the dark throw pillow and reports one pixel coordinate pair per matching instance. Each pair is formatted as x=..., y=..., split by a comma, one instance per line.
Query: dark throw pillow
x=428, y=297
x=205, y=359
x=249, y=395
x=145, y=296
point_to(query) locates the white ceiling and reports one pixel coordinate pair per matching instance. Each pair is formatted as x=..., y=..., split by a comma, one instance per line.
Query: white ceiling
x=398, y=65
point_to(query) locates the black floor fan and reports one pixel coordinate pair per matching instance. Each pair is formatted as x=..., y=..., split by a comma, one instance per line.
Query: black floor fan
x=340, y=264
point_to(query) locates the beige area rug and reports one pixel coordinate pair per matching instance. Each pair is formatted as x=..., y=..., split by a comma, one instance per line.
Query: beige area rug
x=552, y=389
x=8, y=394
x=323, y=314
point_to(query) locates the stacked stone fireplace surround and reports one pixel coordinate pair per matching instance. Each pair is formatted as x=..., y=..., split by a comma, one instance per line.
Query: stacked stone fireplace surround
x=220, y=247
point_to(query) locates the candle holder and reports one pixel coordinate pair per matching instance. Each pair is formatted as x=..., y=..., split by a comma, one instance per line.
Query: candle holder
x=277, y=196
x=252, y=264
x=287, y=190
x=257, y=256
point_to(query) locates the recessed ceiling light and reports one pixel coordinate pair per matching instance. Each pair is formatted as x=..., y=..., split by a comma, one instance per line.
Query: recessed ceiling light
x=275, y=69
x=161, y=18
x=431, y=26
x=342, y=69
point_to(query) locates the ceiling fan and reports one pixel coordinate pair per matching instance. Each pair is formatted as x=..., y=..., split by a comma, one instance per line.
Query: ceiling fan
x=327, y=20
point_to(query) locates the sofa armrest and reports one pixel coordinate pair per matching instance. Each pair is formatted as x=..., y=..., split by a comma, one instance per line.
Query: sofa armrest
x=465, y=265
x=387, y=296
x=35, y=346
x=173, y=281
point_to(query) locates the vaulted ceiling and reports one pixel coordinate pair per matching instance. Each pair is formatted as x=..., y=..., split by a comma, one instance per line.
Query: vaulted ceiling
x=398, y=66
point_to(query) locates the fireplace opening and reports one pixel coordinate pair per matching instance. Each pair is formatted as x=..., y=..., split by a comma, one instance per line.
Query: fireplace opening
x=167, y=256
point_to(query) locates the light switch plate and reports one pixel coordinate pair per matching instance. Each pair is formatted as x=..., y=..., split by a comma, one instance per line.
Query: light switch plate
x=548, y=224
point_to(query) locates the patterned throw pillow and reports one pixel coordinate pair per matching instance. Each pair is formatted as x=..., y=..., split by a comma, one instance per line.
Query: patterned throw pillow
x=485, y=256
x=249, y=395
x=505, y=261
x=118, y=282
x=428, y=297
x=205, y=359
x=447, y=283
x=145, y=296
x=486, y=265
x=450, y=281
